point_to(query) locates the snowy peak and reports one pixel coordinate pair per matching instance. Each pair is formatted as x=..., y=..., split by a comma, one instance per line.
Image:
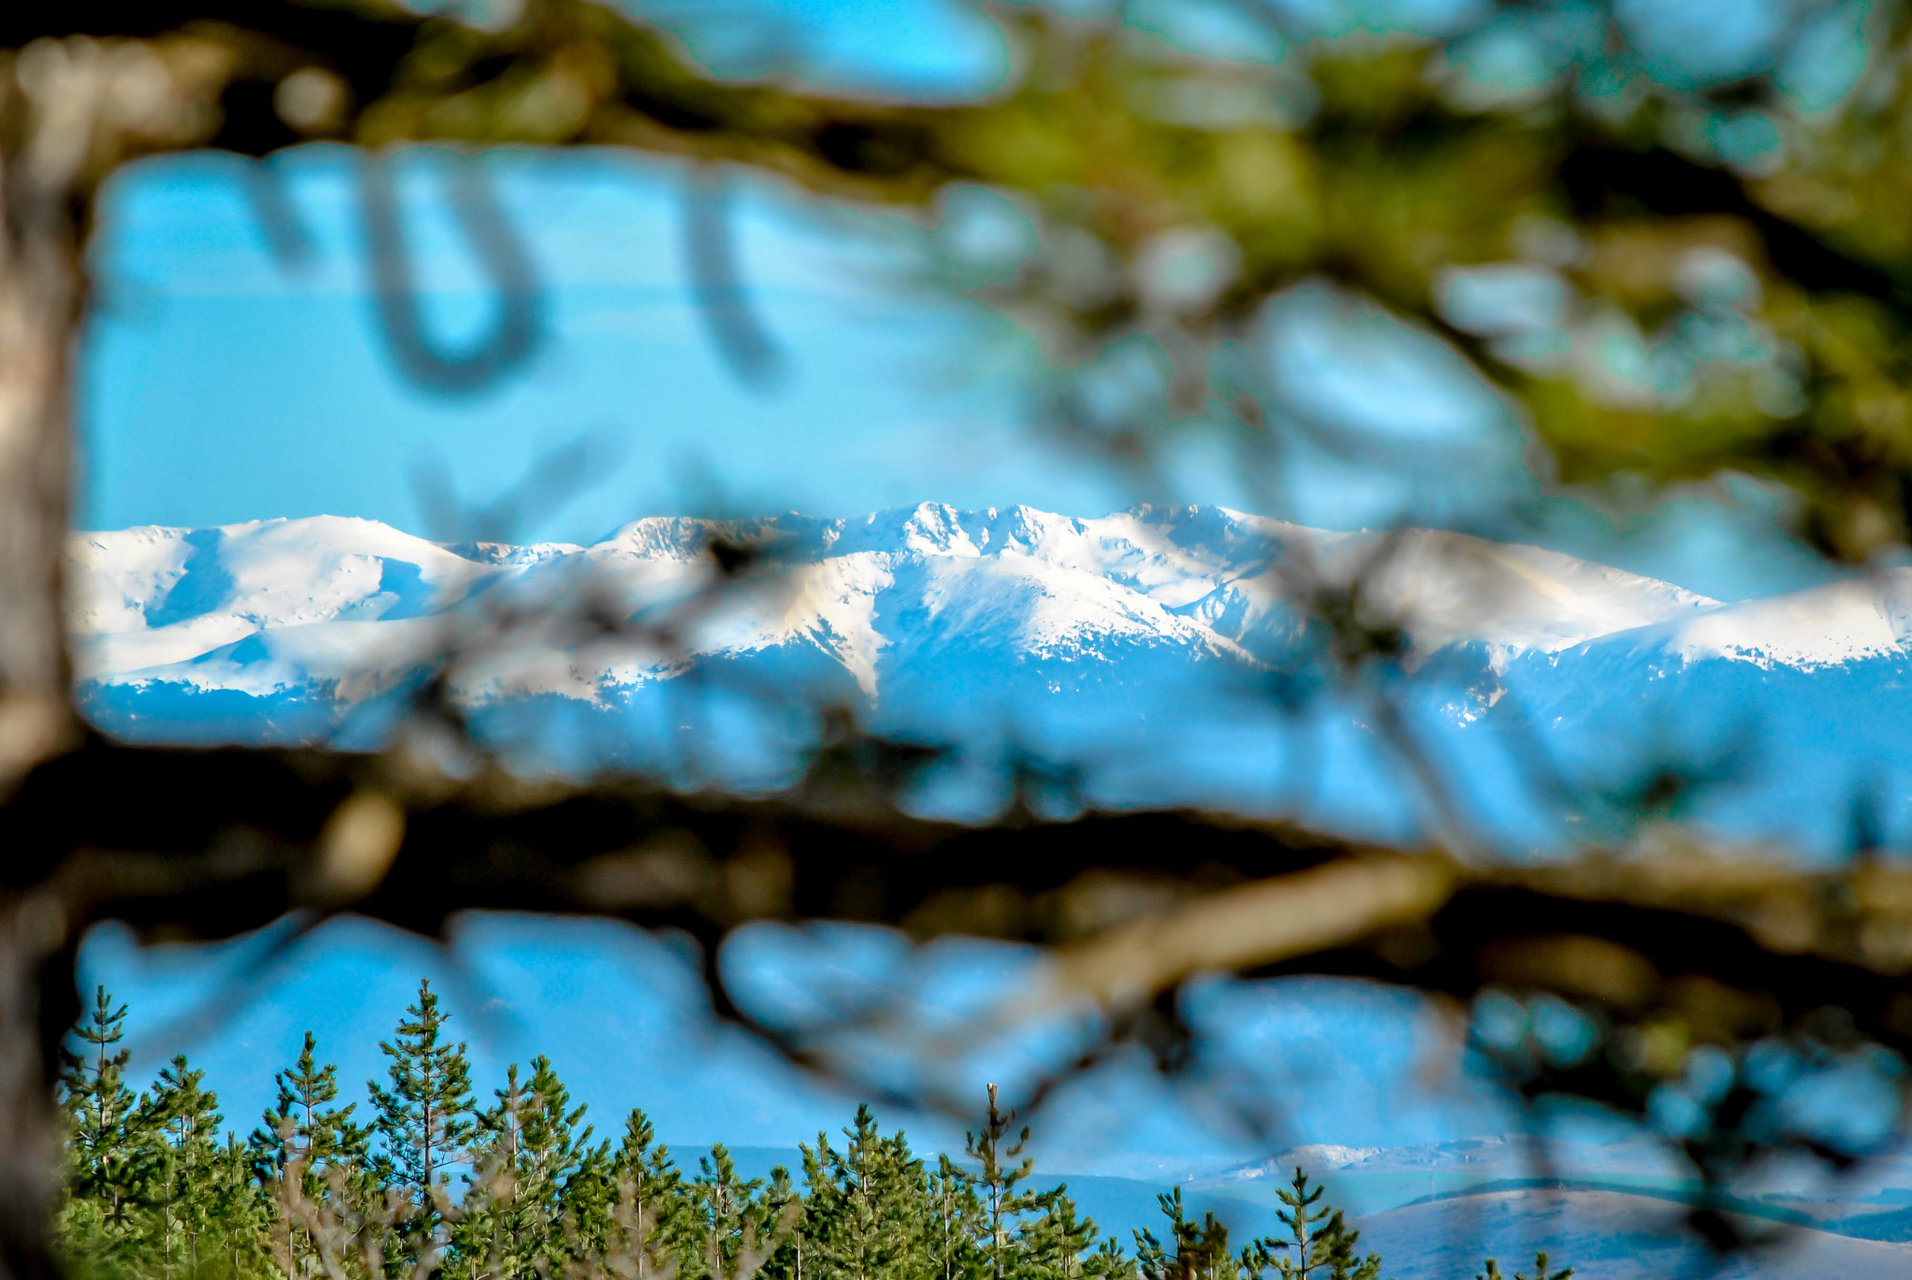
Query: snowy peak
x=156, y=596
x=1862, y=617
x=1449, y=588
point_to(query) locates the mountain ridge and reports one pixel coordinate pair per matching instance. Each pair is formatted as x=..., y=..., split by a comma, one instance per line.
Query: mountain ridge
x=1107, y=645
x=1161, y=570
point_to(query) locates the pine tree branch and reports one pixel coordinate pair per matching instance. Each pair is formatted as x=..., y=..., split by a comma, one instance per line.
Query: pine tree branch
x=1638, y=937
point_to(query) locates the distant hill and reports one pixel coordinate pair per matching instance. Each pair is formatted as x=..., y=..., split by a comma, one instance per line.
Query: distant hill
x=752, y=1162
x=1117, y=1205
x=1120, y=1205
x=1606, y=1235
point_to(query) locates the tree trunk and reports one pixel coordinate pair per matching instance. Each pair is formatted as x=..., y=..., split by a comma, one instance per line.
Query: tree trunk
x=53, y=105
x=49, y=127
x=27, y=1141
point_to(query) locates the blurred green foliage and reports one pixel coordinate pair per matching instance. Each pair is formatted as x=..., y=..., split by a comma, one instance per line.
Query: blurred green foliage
x=1708, y=248
x=1703, y=232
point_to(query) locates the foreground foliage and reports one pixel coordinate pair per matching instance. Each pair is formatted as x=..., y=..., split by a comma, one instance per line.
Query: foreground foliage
x=435, y=1182
x=1703, y=275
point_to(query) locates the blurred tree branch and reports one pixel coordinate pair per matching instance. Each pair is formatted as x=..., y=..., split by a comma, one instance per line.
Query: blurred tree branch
x=1389, y=176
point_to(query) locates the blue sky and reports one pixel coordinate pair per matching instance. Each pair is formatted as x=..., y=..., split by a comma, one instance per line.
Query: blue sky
x=222, y=384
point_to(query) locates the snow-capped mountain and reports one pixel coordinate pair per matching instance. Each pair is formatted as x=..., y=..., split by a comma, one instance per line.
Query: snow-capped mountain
x=1467, y=1161
x=1161, y=655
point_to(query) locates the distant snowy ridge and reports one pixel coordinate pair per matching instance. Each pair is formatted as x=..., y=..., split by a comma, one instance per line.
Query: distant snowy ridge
x=149, y=598
x=1482, y=1158
x=1860, y=617
x=1136, y=648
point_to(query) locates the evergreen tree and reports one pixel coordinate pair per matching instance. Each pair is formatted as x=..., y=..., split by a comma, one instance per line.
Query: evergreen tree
x=1320, y=1244
x=305, y=1147
x=302, y=1126
x=1541, y=1263
x=780, y=1227
x=1001, y=1169
x=1193, y=1250
x=493, y=1236
x=1109, y=1262
x=868, y=1207
x=424, y=1119
x=99, y=1108
x=1052, y=1246
x=528, y=1151
x=650, y=1193
x=957, y=1230
x=242, y=1212
x=155, y=1191
x=588, y=1202
x=554, y=1148
x=725, y=1216
x=184, y=1162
